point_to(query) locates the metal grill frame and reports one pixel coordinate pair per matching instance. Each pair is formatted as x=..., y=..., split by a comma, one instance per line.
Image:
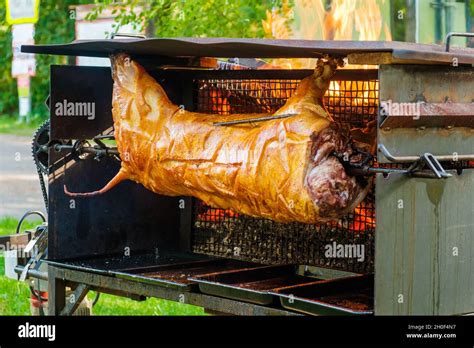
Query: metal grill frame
x=220, y=233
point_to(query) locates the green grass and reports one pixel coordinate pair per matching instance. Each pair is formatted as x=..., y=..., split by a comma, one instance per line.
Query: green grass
x=113, y=305
x=8, y=224
x=11, y=125
x=14, y=295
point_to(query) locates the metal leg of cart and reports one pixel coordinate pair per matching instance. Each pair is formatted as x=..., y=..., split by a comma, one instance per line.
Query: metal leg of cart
x=59, y=302
x=75, y=299
x=56, y=293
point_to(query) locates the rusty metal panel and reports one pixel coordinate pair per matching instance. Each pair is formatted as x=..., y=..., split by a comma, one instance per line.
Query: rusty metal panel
x=432, y=115
x=429, y=84
x=424, y=260
x=407, y=83
x=401, y=52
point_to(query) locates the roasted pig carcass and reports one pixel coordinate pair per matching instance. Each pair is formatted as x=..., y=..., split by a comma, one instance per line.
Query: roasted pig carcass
x=285, y=169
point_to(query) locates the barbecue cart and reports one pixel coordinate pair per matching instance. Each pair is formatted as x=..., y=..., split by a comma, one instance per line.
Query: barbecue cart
x=415, y=227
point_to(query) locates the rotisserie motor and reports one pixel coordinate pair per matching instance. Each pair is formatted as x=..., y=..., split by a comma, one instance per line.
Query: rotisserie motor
x=285, y=169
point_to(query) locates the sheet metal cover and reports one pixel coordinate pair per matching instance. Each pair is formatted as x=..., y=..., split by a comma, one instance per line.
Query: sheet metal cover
x=251, y=48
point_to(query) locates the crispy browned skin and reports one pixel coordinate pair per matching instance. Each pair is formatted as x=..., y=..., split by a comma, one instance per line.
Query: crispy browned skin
x=280, y=169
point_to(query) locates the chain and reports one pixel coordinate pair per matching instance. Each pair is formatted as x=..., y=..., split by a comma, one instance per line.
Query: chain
x=43, y=187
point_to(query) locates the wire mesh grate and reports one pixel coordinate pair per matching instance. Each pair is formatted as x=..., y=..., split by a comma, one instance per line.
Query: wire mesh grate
x=243, y=96
x=228, y=234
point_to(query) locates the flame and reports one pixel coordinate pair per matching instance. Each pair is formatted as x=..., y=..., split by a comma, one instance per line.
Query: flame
x=220, y=103
x=365, y=93
x=368, y=21
x=311, y=20
x=338, y=25
x=352, y=97
x=262, y=96
x=276, y=24
x=334, y=89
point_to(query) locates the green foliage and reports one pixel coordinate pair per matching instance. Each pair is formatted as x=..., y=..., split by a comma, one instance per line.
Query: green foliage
x=55, y=25
x=8, y=224
x=398, y=25
x=14, y=295
x=8, y=90
x=12, y=125
x=197, y=18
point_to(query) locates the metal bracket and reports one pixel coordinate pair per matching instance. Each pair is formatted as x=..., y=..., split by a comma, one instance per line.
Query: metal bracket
x=427, y=159
x=37, y=247
x=414, y=170
x=75, y=299
x=450, y=35
x=24, y=272
x=409, y=159
x=435, y=166
x=432, y=163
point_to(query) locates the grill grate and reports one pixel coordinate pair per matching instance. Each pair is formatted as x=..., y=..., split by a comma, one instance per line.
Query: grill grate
x=243, y=96
x=225, y=233
x=353, y=102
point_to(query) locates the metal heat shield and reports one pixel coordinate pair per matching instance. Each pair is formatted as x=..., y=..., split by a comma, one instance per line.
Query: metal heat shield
x=424, y=242
x=424, y=250
x=421, y=88
x=128, y=219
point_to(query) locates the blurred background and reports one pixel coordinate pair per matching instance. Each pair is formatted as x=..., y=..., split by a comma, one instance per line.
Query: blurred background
x=24, y=79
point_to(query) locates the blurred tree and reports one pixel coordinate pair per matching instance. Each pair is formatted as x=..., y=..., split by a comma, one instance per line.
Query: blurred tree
x=399, y=14
x=8, y=89
x=196, y=18
x=55, y=25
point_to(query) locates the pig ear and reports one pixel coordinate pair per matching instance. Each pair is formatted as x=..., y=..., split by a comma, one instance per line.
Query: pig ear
x=121, y=176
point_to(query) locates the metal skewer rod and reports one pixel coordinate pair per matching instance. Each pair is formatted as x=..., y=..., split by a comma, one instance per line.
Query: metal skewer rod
x=407, y=159
x=251, y=120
